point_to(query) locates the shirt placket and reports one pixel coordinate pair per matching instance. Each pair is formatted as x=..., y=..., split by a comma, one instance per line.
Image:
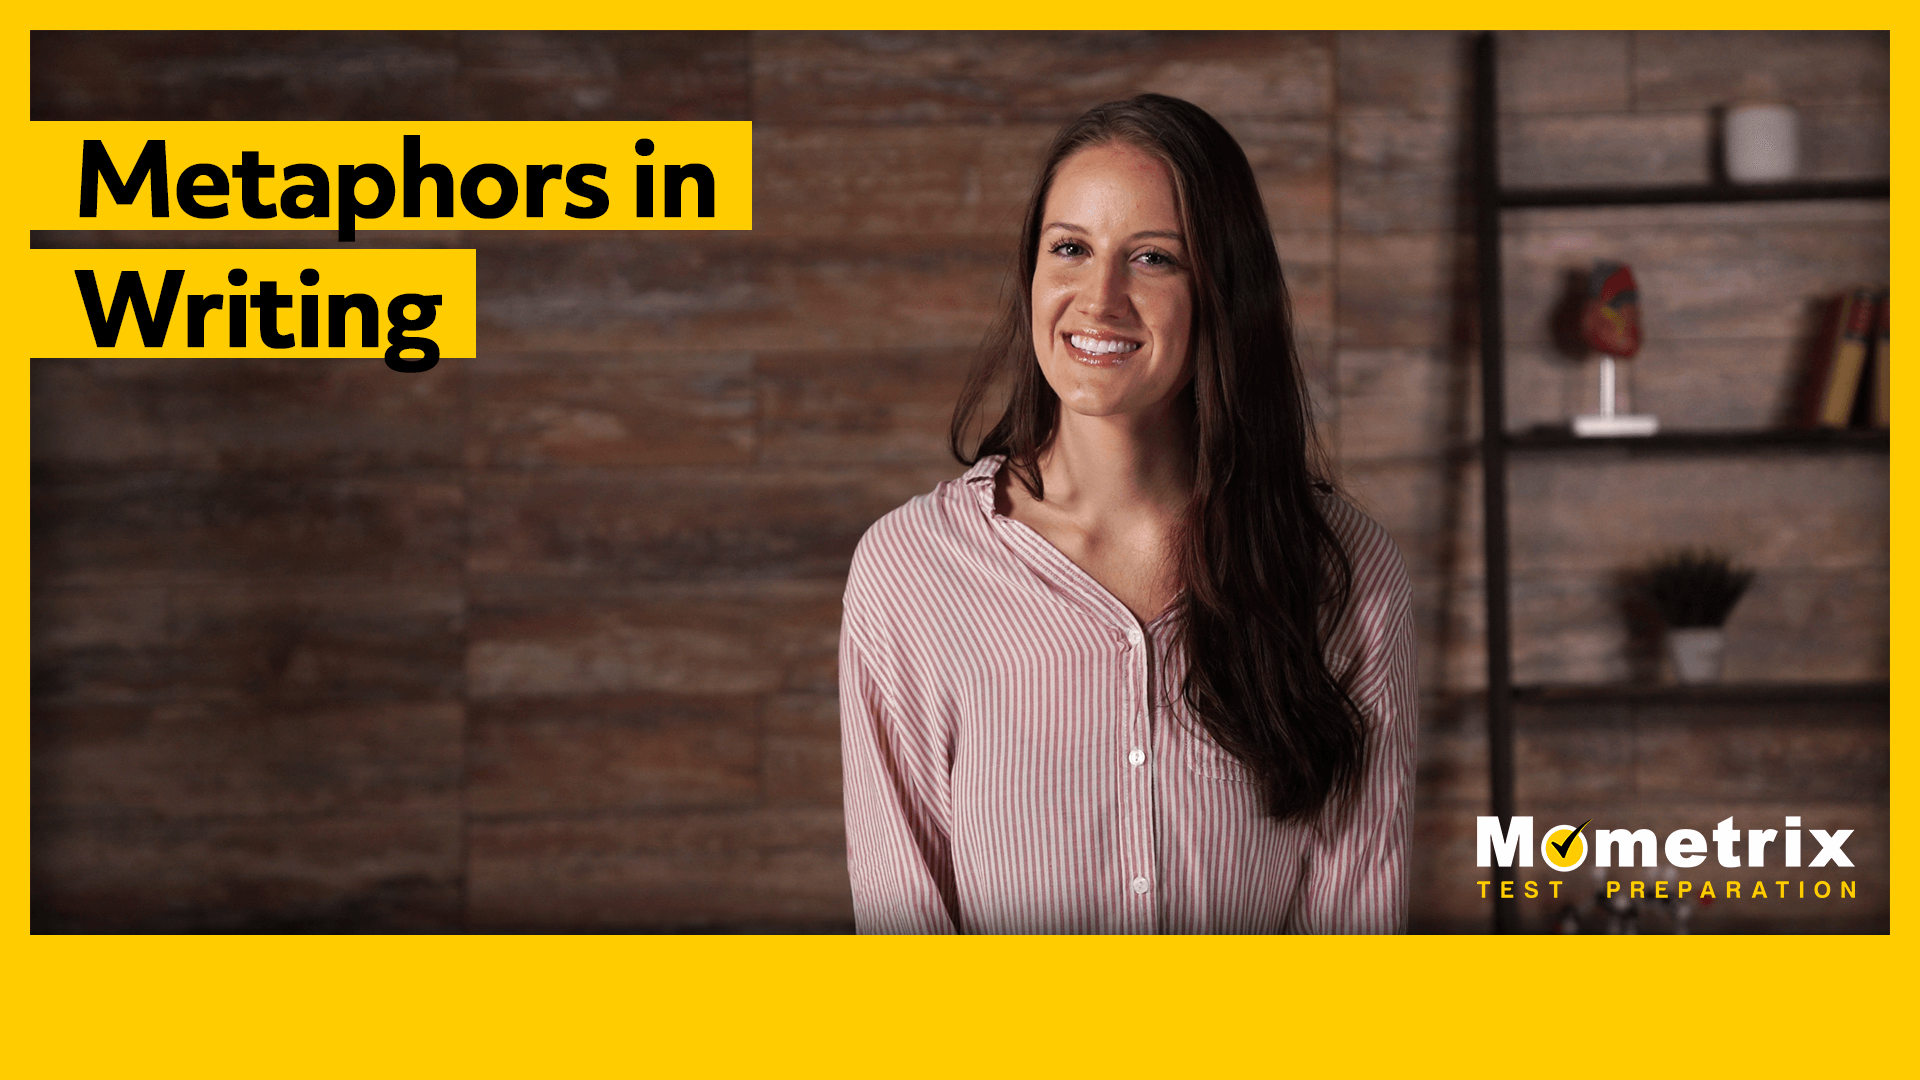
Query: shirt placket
x=1139, y=884
x=1143, y=886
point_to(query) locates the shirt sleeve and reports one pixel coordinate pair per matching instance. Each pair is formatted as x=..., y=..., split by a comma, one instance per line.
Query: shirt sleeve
x=898, y=854
x=1356, y=878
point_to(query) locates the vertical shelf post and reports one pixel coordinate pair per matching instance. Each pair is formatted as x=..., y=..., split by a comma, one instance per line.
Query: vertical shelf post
x=1493, y=455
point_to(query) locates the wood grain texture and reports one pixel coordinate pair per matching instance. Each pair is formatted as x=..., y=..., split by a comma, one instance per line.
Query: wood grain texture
x=1012, y=78
x=767, y=870
x=1656, y=503
x=927, y=182
x=858, y=406
x=680, y=525
x=731, y=292
x=389, y=75
x=1420, y=72
x=1705, y=68
x=141, y=526
x=1403, y=289
x=306, y=417
x=559, y=409
x=1607, y=150
x=546, y=640
x=1405, y=403
x=1714, y=283
x=1566, y=71
x=802, y=765
x=280, y=874
x=1400, y=172
x=597, y=753
x=533, y=640
x=1701, y=385
x=196, y=760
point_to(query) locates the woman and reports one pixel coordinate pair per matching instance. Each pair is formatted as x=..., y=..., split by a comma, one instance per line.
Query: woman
x=1138, y=669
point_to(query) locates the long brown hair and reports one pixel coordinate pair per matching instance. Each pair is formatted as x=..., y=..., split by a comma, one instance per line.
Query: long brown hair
x=1263, y=578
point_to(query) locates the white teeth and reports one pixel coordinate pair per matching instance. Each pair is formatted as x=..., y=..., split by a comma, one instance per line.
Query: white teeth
x=1100, y=346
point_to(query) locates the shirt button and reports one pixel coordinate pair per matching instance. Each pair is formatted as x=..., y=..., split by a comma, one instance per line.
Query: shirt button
x=1137, y=756
x=1133, y=635
x=1139, y=884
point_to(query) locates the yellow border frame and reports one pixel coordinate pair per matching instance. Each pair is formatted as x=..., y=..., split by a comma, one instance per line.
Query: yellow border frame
x=572, y=1006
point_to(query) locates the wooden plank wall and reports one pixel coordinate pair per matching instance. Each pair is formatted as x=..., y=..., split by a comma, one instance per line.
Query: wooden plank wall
x=545, y=640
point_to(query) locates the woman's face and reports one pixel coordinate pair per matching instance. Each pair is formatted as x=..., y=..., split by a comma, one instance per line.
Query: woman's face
x=1113, y=289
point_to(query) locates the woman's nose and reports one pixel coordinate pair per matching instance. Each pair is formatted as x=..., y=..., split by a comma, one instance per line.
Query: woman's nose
x=1105, y=294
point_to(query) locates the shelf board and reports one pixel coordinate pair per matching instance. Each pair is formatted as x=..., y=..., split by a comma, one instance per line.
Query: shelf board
x=1516, y=198
x=1557, y=438
x=1711, y=694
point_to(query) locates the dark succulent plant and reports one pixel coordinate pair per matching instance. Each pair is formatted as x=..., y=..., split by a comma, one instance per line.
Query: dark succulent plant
x=1694, y=587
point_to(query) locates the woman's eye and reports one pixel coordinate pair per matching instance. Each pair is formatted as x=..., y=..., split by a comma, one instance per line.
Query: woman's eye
x=1070, y=248
x=1155, y=258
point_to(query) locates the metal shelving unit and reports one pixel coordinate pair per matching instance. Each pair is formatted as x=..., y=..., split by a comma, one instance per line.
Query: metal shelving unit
x=1490, y=202
x=1682, y=442
x=1516, y=198
x=1716, y=694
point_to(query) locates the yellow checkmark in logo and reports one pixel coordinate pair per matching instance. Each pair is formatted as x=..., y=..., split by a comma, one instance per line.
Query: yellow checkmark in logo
x=1565, y=846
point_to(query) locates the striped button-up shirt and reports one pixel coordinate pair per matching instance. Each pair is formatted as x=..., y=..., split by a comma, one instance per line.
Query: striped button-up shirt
x=1017, y=759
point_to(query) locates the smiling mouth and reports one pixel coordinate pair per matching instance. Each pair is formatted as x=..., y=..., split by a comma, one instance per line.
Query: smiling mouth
x=1100, y=351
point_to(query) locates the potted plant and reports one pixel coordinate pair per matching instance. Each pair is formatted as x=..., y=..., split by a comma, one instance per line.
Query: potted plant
x=1694, y=589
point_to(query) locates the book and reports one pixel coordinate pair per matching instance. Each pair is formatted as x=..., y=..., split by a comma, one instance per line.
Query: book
x=1880, y=404
x=1837, y=382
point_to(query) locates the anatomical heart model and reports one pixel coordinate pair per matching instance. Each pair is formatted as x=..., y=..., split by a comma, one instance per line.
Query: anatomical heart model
x=1610, y=322
x=1610, y=325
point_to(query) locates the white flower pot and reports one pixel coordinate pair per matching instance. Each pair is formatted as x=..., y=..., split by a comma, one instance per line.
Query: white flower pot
x=1762, y=143
x=1697, y=653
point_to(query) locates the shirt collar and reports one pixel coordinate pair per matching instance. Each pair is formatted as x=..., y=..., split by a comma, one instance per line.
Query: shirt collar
x=980, y=478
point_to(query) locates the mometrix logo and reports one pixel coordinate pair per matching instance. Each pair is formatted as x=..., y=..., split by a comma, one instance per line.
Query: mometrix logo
x=1565, y=847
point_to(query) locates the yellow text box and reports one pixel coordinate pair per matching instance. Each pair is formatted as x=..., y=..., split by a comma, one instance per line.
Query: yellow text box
x=560, y=175
x=408, y=306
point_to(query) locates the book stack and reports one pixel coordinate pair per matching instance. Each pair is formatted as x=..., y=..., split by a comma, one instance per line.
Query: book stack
x=1849, y=387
